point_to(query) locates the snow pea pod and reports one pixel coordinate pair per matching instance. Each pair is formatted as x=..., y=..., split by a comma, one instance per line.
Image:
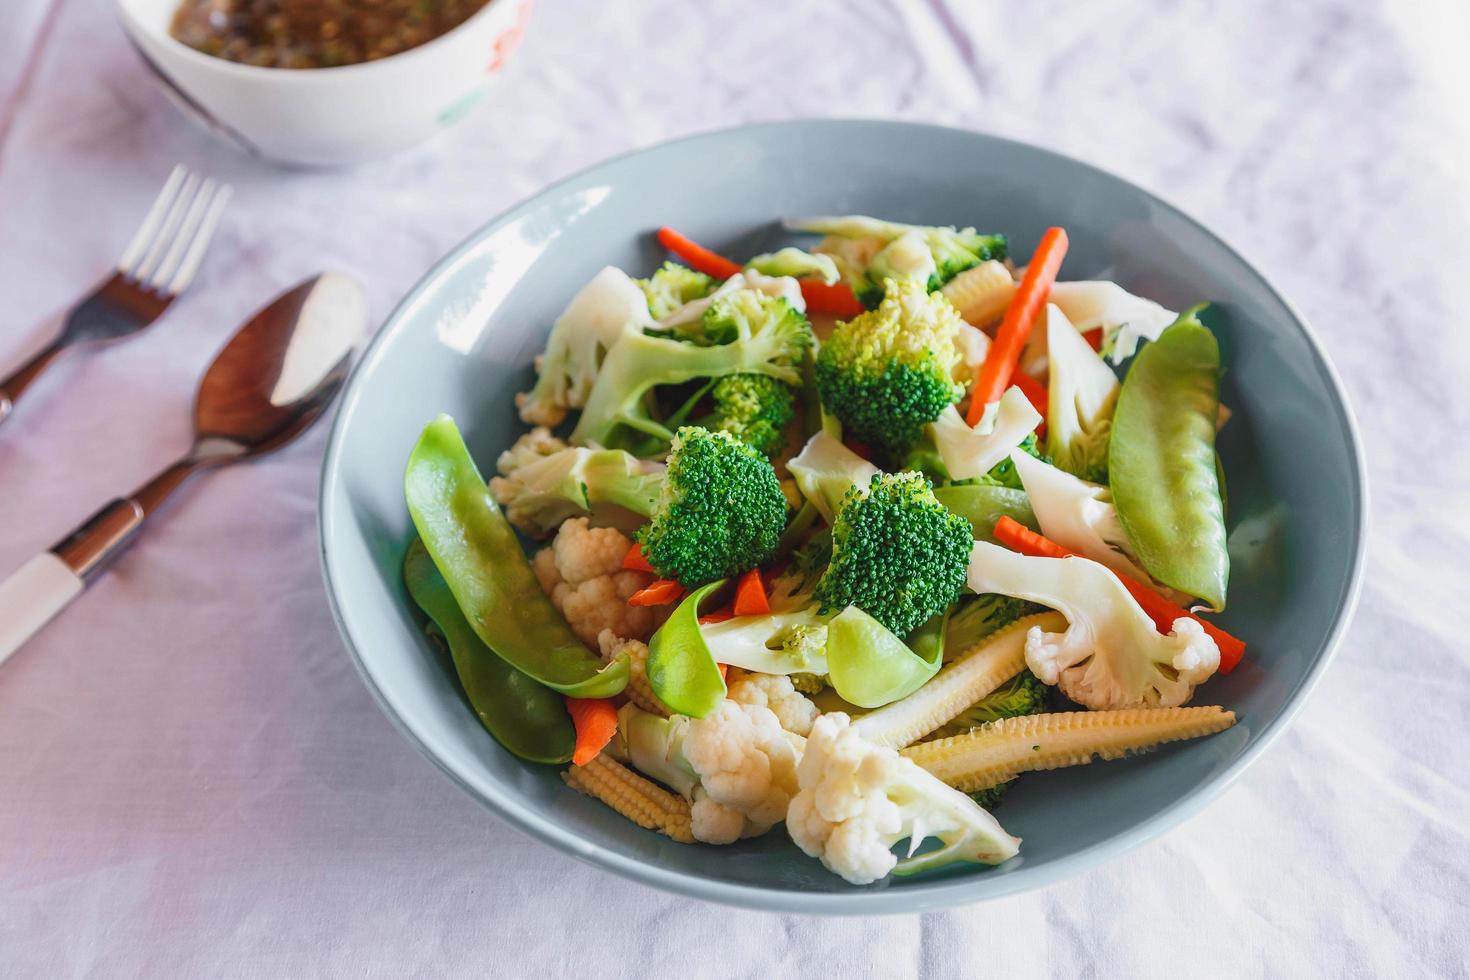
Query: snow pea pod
x=475, y=549
x=982, y=505
x=681, y=669
x=870, y=667
x=1161, y=462
x=528, y=718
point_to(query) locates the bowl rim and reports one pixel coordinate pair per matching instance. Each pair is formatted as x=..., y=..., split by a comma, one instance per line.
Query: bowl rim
x=303, y=76
x=941, y=893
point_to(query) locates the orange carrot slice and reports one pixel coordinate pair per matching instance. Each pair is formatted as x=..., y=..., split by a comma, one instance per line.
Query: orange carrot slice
x=994, y=375
x=596, y=721
x=750, y=595
x=697, y=256
x=660, y=592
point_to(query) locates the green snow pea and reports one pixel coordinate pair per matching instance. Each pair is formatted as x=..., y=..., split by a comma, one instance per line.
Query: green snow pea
x=983, y=505
x=476, y=550
x=1161, y=461
x=681, y=670
x=528, y=718
x=870, y=667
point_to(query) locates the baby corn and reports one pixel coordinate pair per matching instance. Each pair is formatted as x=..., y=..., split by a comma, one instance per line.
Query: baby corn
x=981, y=294
x=639, y=691
x=996, y=752
x=967, y=679
x=640, y=800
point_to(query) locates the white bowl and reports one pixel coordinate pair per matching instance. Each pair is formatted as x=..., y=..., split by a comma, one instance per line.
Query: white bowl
x=331, y=116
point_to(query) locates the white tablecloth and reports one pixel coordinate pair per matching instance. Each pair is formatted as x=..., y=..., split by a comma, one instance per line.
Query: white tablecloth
x=193, y=782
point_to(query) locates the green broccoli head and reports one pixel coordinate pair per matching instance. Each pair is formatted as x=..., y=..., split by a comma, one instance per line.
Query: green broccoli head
x=888, y=373
x=897, y=553
x=721, y=510
x=1023, y=694
x=742, y=332
x=991, y=795
x=672, y=286
x=754, y=408
x=981, y=616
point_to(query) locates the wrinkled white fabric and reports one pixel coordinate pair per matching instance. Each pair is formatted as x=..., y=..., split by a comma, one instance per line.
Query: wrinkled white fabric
x=193, y=782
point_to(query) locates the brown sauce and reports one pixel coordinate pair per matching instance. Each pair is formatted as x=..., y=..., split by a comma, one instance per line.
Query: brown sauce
x=315, y=33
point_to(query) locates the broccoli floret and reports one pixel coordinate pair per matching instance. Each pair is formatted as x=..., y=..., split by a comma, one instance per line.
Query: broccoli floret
x=935, y=255
x=887, y=373
x=720, y=511
x=982, y=615
x=897, y=553
x=672, y=286
x=989, y=797
x=1021, y=695
x=748, y=333
x=754, y=408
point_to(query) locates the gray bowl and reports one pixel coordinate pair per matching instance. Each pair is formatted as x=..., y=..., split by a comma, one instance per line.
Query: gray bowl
x=463, y=342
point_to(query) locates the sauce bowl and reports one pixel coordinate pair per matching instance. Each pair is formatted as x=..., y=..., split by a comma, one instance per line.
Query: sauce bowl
x=323, y=117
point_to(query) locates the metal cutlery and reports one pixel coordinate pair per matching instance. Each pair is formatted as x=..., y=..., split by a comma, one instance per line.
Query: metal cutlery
x=273, y=379
x=157, y=265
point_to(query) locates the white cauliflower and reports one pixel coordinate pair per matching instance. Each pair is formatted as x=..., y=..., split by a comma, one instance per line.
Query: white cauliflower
x=582, y=571
x=592, y=322
x=856, y=800
x=972, y=452
x=530, y=447
x=736, y=765
x=1076, y=514
x=1110, y=656
x=795, y=712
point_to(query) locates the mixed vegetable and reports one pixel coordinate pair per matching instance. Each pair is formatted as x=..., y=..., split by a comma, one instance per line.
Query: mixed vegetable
x=844, y=539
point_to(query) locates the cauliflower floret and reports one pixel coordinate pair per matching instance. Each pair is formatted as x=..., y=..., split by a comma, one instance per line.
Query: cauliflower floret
x=737, y=765
x=1110, y=656
x=794, y=711
x=536, y=444
x=582, y=571
x=856, y=800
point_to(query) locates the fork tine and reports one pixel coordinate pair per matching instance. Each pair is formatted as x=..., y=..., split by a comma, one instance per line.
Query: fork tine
x=151, y=221
x=182, y=236
x=168, y=229
x=199, y=243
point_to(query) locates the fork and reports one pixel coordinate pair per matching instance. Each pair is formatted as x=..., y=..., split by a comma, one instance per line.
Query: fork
x=155, y=268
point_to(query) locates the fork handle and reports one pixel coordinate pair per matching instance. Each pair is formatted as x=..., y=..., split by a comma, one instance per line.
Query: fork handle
x=12, y=387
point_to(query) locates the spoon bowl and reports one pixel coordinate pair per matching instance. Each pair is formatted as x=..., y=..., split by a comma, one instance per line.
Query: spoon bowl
x=273, y=379
x=280, y=371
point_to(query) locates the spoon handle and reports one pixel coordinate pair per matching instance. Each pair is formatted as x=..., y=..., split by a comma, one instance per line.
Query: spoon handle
x=47, y=583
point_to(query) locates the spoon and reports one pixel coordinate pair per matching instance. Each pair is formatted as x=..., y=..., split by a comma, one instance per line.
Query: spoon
x=274, y=378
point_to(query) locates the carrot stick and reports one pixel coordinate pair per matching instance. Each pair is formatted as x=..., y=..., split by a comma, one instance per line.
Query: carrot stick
x=658, y=593
x=750, y=595
x=837, y=299
x=994, y=375
x=718, y=616
x=698, y=257
x=1094, y=337
x=596, y=721
x=1035, y=393
x=1163, y=612
x=635, y=560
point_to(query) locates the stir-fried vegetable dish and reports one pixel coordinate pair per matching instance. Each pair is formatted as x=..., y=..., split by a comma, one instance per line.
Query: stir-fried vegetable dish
x=839, y=542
